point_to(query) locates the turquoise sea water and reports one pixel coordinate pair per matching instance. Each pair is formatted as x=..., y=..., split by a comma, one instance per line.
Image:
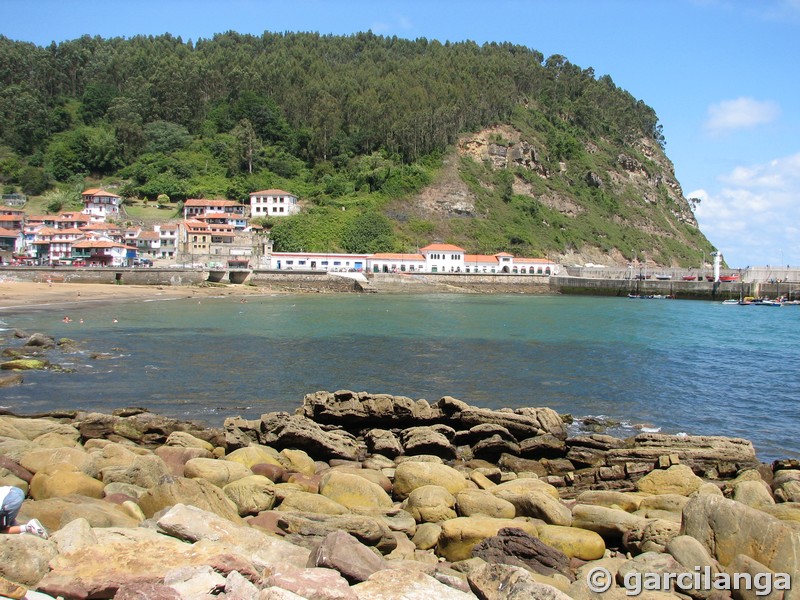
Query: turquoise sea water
x=681, y=366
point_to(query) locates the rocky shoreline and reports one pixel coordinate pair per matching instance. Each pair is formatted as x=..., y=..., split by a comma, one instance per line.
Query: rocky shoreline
x=360, y=496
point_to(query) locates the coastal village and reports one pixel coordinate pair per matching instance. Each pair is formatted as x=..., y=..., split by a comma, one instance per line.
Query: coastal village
x=214, y=233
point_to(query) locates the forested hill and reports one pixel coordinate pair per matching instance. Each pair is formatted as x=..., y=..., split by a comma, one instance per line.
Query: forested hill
x=389, y=143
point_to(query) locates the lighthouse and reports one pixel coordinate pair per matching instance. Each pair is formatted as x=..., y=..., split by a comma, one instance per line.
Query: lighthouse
x=717, y=264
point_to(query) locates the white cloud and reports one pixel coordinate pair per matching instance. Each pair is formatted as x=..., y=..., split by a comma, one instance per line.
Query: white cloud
x=399, y=23
x=742, y=113
x=753, y=219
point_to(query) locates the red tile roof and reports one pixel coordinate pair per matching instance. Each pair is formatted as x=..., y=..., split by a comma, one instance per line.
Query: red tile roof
x=271, y=193
x=9, y=233
x=199, y=202
x=97, y=244
x=390, y=256
x=98, y=192
x=543, y=261
x=442, y=248
x=482, y=258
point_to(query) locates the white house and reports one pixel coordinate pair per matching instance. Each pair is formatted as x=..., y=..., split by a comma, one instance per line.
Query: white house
x=273, y=203
x=443, y=258
x=168, y=233
x=217, y=212
x=102, y=252
x=101, y=205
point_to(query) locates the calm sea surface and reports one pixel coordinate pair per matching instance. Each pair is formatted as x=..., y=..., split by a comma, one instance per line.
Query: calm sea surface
x=681, y=366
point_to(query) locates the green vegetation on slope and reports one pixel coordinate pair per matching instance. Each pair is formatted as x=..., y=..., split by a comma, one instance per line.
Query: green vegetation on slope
x=353, y=125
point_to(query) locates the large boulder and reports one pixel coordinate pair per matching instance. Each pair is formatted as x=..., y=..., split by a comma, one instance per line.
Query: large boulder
x=353, y=491
x=38, y=459
x=573, y=541
x=25, y=428
x=63, y=480
x=678, y=479
x=406, y=583
x=255, y=454
x=522, y=423
x=98, y=571
x=703, y=454
x=25, y=559
x=310, y=528
x=344, y=553
x=176, y=457
x=513, y=546
x=431, y=504
x=728, y=528
x=461, y=534
x=55, y=513
x=183, y=439
x=191, y=524
x=507, y=582
x=217, y=472
x=383, y=442
x=410, y=475
x=310, y=582
x=142, y=427
x=195, y=492
x=610, y=499
x=300, y=501
x=282, y=430
x=141, y=470
x=362, y=410
x=610, y=523
x=251, y=494
x=482, y=502
x=427, y=440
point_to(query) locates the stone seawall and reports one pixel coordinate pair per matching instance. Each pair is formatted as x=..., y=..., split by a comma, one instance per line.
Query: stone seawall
x=687, y=290
x=110, y=275
x=412, y=283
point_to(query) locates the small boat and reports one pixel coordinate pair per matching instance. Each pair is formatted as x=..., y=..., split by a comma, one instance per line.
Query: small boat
x=690, y=278
x=731, y=301
x=766, y=302
x=663, y=276
x=729, y=278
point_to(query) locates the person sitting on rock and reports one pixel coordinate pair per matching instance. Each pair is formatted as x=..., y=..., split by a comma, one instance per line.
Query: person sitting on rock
x=11, y=498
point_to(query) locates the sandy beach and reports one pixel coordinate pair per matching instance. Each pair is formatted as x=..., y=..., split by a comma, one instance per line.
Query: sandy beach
x=34, y=295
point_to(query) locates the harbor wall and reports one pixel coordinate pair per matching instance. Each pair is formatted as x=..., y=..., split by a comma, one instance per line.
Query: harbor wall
x=687, y=290
x=494, y=283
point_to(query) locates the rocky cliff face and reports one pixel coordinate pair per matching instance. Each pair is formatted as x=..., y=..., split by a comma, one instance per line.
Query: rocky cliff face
x=640, y=179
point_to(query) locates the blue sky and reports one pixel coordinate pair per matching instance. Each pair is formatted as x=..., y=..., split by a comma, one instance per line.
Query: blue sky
x=721, y=75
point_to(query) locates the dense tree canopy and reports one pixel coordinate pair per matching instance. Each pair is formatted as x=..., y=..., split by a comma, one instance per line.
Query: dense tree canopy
x=316, y=96
x=349, y=123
